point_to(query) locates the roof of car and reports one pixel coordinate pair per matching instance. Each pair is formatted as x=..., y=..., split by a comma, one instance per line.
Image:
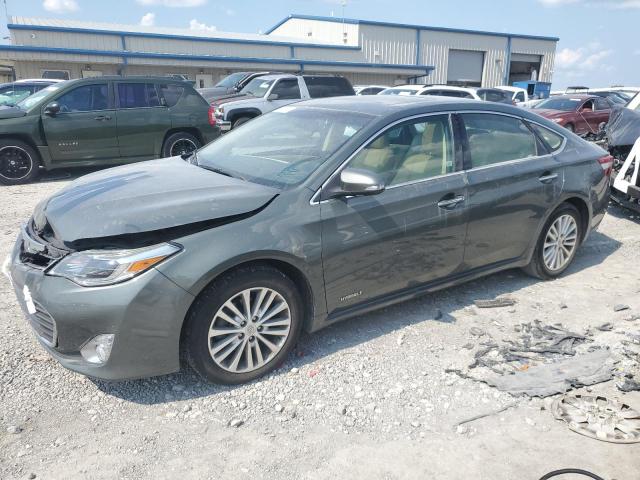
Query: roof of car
x=576, y=96
x=450, y=87
x=38, y=80
x=133, y=78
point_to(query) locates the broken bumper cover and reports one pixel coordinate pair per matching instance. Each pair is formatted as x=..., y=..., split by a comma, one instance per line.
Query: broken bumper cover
x=144, y=314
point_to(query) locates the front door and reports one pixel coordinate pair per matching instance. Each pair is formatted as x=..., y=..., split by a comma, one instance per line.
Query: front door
x=142, y=120
x=85, y=127
x=513, y=182
x=411, y=233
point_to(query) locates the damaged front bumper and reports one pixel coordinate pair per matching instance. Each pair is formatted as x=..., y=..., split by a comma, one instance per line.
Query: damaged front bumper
x=143, y=314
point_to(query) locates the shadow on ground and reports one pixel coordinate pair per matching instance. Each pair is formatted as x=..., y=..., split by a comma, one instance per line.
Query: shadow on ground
x=431, y=307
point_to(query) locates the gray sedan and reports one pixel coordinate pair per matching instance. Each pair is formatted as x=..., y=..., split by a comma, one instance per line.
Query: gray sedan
x=305, y=216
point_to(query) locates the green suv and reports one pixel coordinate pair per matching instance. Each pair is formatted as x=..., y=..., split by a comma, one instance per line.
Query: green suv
x=101, y=121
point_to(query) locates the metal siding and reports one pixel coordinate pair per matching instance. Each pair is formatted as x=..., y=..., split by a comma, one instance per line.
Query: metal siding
x=194, y=47
x=543, y=48
x=435, y=46
x=393, y=45
x=331, y=32
x=305, y=53
x=66, y=40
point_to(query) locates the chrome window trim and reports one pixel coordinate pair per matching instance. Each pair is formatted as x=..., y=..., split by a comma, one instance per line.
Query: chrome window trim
x=315, y=198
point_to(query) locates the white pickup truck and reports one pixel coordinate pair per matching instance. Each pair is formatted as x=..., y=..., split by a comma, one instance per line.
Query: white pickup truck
x=266, y=93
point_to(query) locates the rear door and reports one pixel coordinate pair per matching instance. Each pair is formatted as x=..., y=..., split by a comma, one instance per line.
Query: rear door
x=513, y=182
x=601, y=112
x=411, y=233
x=85, y=127
x=142, y=119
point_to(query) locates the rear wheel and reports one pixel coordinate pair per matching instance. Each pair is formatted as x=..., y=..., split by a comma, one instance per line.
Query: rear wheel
x=243, y=325
x=179, y=143
x=19, y=162
x=557, y=244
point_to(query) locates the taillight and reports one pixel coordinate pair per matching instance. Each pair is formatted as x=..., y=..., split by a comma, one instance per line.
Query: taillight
x=606, y=163
x=212, y=115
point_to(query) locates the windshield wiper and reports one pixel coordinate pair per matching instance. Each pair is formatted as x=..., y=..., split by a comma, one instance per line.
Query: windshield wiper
x=220, y=171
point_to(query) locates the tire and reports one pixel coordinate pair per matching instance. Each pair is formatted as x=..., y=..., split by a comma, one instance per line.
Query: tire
x=19, y=162
x=239, y=121
x=179, y=143
x=211, y=306
x=540, y=268
x=570, y=127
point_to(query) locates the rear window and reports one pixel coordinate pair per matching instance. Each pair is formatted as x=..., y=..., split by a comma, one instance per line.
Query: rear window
x=552, y=139
x=171, y=94
x=137, y=95
x=493, y=95
x=321, y=87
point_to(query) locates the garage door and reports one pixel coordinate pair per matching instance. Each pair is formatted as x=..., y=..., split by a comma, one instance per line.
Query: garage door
x=465, y=68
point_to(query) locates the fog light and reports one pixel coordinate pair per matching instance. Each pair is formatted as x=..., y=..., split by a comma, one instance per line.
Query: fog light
x=98, y=349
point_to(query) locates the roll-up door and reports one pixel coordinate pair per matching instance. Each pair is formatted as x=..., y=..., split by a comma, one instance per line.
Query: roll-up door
x=465, y=68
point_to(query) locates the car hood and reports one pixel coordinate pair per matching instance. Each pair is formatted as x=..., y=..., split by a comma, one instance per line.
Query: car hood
x=145, y=203
x=11, y=112
x=239, y=98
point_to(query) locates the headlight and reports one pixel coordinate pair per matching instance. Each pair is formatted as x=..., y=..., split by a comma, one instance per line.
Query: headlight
x=93, y=268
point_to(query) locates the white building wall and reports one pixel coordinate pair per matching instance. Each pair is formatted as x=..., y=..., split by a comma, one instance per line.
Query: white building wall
x=388, y=44
x=321, y=31
x=537, y=47
x=66, y=40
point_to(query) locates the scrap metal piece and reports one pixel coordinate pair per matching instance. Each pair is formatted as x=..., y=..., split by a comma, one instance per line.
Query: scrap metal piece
x=599, y=418
x=495, y=303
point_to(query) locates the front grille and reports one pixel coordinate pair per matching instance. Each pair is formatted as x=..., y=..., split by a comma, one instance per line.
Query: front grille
x=44, y=325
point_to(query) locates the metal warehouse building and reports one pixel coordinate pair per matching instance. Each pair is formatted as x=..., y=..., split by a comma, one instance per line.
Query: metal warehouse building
x=364, y=51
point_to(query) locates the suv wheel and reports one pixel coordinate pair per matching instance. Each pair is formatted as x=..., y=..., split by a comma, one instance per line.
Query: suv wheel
x=243, y=325
x=19, y=162
x=179, y=143
x=558, y=243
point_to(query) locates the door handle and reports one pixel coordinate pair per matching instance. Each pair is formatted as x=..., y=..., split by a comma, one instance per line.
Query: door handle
x=450, y=202
x=548, y=177
x=102, y=118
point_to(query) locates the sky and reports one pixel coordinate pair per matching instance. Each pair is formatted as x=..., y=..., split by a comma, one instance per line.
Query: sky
x=597, y=45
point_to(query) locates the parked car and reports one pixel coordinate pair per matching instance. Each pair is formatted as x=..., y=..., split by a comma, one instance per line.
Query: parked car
x=615, y=98
x=305, y=216
x=450, y=91
x=582, y=114
x=268, y=92
x=14, y=92
x=229, y=85
x=101, y=121
x=368, y=89
x=518, y=95
x=402, y=90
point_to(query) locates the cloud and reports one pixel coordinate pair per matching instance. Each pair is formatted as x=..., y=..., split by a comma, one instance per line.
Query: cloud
x=60, y=6
x=173, y=3
x=611, y=4
x=148, y=19
x=201, y=27
x=590, y=57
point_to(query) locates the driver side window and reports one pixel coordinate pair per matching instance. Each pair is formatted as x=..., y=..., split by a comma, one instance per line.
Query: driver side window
x=287, y=89
x=409, y=152
x=87, y=98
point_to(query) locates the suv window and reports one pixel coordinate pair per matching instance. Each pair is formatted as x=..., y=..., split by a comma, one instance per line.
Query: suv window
x=137, y=95
x=519, y=97
x=498, y=138
x=552, y=139
x=171, y=93
x=409, y=152
x=287, y=89
x=86, y=98
x=602, y=104
x=321, y=86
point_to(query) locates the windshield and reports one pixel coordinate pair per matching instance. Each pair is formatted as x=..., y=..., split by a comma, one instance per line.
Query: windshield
x=284, y=147
x=493, y=95
x=564, y=104
x=257, y=87
x=231, y=80
x=34, y=99
x=398, y=91
x=14, y=94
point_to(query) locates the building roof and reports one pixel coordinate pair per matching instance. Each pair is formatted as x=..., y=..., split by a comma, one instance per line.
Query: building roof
x=354, y=21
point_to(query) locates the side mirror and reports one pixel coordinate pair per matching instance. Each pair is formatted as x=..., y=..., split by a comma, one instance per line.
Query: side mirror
x=356, y=182
x=52, y=109
x=273, y=96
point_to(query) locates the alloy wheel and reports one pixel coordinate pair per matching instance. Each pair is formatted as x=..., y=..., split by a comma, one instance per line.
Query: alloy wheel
x=182, y=146
x=249, y=330
x=560, y=242
x=15, y=163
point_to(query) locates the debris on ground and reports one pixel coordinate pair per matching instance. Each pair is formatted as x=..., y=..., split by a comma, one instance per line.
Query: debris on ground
x=495, y=303
x=486, y=414
x=599, y=418
x=620, y=307
x=628, y=384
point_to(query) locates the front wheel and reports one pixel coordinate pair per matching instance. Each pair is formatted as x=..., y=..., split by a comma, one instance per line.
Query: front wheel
x=179, y=143
x=19, y=162
x=557, y=244
x=243, y=325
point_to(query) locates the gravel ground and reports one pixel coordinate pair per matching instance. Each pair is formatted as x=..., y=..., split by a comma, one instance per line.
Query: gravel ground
x=368, y=398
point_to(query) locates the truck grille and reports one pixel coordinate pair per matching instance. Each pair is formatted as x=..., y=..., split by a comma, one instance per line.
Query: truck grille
x=44, y=325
